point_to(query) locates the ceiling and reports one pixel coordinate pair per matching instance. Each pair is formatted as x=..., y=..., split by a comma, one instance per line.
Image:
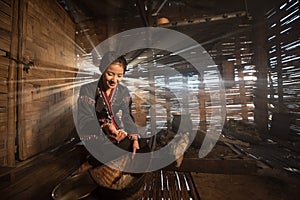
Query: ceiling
x=206, y=21
x=136, y=13
x=203, y=20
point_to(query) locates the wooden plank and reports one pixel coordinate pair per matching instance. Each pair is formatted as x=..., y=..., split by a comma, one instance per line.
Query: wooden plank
x=5, y=21
x=3, y=152
x=3, y=80
x=158, y=185
x=171, y=184
x=175, y=186
x=3, y=129
x=5, y=7
x=3, y=77
x=8, y=2
x=4, y=61
x=3, y=117
x=148, y=188
x=164, y=186
x=59, y=164
x=193, y=191
x=3, y=99
x=184, y=189
x=3, y=88
x=155, y=193
x=5, y=40
x=3, y=109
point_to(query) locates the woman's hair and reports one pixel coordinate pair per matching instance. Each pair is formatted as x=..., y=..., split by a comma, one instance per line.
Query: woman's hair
x=110, y=58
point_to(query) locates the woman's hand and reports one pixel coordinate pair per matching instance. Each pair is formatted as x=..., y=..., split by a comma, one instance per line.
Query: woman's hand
x=135, y=146
x=113, y=133
x=121, y=135
x=135, y=143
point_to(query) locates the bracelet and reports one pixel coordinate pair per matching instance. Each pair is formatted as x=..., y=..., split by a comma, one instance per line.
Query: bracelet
x=105, y=124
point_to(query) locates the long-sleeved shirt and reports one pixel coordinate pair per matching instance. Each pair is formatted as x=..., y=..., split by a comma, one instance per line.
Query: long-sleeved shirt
x=92, y=108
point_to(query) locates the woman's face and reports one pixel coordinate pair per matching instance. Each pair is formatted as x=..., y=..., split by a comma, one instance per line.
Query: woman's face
x=113, y=75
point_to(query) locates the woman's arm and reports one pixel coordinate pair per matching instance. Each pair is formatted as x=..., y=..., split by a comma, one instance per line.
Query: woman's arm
x=128, y=121
x=87, y=123
x=127, y=118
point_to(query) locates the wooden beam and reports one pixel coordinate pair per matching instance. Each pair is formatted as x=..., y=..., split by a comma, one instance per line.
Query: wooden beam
x=260, y=61
x=143, y=13
x=207, y=19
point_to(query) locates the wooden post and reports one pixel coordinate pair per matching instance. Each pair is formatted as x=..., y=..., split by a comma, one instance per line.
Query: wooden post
x=185, y=94
x=280, y=106
x=152, y=107
x=242, y=88
x=260, y=59
x=202, y=99
x=12, y=88
x=168, y=103
x=228, y=73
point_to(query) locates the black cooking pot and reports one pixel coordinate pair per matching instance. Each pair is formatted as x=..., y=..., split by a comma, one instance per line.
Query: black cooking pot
x=74, y=187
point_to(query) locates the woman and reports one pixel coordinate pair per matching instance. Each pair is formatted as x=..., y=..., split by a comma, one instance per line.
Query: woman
x=108, y=98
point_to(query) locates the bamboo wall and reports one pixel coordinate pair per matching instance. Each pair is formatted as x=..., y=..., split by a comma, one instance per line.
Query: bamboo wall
x=36, y=103
x=234, y=56
x=283, y=44
x=45, y=106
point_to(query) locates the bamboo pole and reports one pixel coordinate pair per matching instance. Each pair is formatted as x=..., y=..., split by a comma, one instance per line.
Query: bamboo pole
x=20, y=85
x=12, y=76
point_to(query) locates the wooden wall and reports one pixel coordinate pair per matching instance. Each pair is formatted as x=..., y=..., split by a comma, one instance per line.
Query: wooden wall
x=45, y=104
